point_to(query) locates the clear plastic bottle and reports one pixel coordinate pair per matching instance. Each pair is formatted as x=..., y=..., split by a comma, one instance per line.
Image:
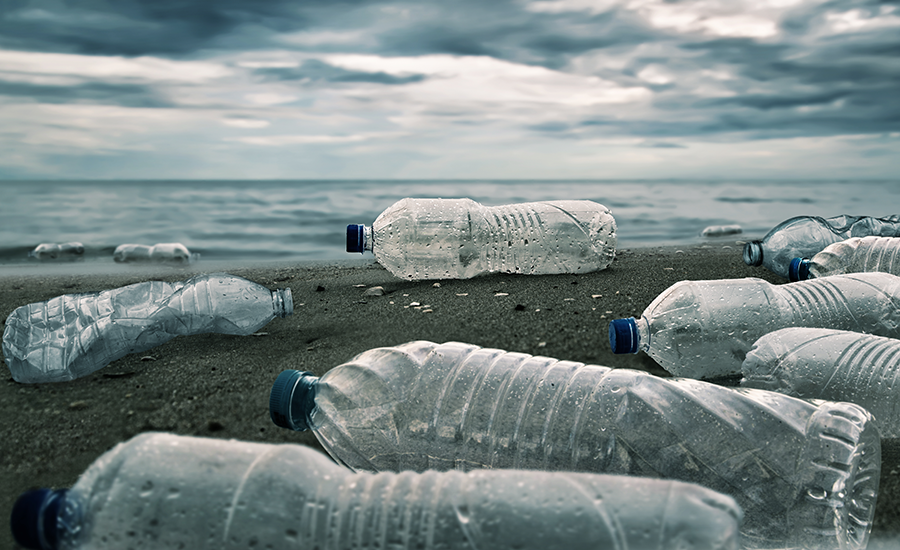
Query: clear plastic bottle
x=458, y=238
x=58, y=251
x=806, y=474
x=76, y=334
x=173, y=253
x=805, y=236
x=166, y=491
x=856, y=255
x=704, y=329
x=837, y=365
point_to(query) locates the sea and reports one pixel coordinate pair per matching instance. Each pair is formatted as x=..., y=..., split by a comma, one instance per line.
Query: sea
x=305, y=220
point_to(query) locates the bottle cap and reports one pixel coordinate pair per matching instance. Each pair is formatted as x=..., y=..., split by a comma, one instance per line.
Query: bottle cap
x=799, y=269
x=356, y=238
x=623, y=335
x=33, y=518
x=293, y=399
x=753, y=254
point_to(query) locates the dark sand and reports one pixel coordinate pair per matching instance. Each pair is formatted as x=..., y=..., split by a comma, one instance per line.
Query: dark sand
x=218, y=386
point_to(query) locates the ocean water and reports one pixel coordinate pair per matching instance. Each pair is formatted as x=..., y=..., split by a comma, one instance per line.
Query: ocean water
x=306, y=220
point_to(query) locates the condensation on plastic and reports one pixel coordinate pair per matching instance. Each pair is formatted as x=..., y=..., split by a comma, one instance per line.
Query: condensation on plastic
x=805, y=474
x=857, y=255
x=805, y=236
x=75, y=334
x=458, y=238
x=836, y=365
x=704, y=329
x=197, y=493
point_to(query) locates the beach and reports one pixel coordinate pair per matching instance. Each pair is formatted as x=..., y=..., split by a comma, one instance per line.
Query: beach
x=218, y=386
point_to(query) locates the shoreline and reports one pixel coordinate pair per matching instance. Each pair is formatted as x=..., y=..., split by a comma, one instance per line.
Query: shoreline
x=217, y=386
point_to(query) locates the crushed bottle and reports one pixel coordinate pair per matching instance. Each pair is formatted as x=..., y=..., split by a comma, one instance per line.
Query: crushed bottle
x=73, y=335
x=806, y=474
x=169, y=491
x=419, y=239
x=58, y=251
x=172, y=253
x=805, y=236
x=856, y=255
x=837, y=365
x=704, y=329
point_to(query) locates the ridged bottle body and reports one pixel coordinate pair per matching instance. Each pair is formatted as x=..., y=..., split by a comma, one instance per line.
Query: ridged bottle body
x=857, y=255
x=459, y=238
x=805, y=236
x=805, y=474
x=835, y=365
x=168, y=491
x=704, y=329
x=75, y=334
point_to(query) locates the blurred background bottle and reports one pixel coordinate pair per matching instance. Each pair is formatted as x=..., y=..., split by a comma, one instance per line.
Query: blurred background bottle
x=458, y=238
x=704, y=329
x=806, y=474
x=169, y=491
x=76, y=334
x=58, y=251
x=173, y=253
x=805, y=236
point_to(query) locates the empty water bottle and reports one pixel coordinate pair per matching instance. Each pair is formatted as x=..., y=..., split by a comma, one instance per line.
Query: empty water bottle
x=55, y=251
x=805, y=236
x=168, y=491
x=173, y=253
x=856, y=255
x=75, y=334
x=459, y=238
x=806, y=474
x=837, y=365
x=704, y=329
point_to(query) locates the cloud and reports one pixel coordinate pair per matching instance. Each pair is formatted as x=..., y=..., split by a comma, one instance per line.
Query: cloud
x=408, y=87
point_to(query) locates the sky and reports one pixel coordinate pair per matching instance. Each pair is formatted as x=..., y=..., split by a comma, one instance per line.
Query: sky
x=537, y=89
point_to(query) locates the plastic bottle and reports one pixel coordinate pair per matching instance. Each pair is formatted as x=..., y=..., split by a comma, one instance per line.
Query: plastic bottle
x=856, y=255
x=54, y=251
x=168, y=491
x=805, y=236
x=806, y=474
x=76, y=334
x=704, y=329
x=837, y=365
x=173, y=253
x=458, y=238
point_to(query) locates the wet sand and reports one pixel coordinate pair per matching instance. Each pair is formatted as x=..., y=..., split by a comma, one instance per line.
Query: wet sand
x=218, y=386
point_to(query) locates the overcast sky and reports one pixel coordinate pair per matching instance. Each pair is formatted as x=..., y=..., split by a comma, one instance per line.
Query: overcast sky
x=455, y=89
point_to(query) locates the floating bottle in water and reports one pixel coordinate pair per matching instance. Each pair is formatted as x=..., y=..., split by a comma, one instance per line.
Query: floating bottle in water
x=58, y=251
x=704, y=329
x=169, y=491
x=173, y=253
x=856, y=255
x=805, y=236
x=459, y=238
x=76, y=334
x=806, y=474
x=837, y=365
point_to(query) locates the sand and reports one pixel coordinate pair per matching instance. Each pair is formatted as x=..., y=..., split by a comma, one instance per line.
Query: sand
x=218, y=386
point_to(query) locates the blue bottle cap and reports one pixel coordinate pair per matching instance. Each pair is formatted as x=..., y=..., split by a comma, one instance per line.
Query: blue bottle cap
x=799, y=269
x=356, y=238
x=293, y=399
x=33, y=518
x=623, y=335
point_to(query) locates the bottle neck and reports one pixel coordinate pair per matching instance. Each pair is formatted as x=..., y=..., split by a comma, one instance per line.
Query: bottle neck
x=282, y=302
x=643, y=334
x=367, y=238
x=753, y=253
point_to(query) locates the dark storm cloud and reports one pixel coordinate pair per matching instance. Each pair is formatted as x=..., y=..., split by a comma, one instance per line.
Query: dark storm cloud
x=124, y=95
x=317, y=71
